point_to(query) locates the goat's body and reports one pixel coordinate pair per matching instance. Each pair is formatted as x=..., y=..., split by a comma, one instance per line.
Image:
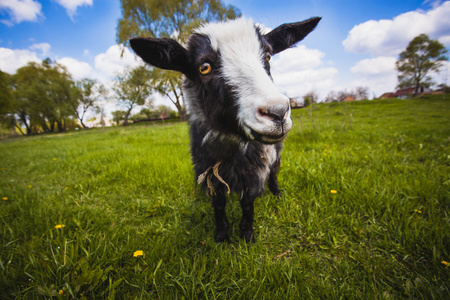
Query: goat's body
x=238, y=117
x=244, y=165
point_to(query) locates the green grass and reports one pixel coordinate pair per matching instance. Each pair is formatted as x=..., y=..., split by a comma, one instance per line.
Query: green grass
x=382, y=235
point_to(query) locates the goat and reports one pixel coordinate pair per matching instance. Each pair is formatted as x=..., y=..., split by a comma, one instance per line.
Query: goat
x=238, y=118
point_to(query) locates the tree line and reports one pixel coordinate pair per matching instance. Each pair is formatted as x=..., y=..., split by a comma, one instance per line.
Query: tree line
x=44, y=98
x=358, y=93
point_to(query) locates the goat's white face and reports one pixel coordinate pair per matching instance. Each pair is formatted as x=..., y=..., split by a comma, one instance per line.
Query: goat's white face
x=263, y=112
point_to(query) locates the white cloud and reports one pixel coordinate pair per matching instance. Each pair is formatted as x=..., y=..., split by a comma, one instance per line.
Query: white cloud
x=390, y=37
x=297, y=71
x=298, y=58
x=298, y=83
x=11, y=60
x=21, y=10
x=112, y=62
x=433, y=3
x=43, y=47
x=71, y=6
x=379, y=66
x=78, y=69
x=378, y=74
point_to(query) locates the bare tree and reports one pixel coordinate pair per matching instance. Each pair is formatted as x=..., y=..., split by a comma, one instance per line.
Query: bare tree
x=310, y=98
x=331, y=97
x=361, y=92
x=89, y=93
x=132, y=89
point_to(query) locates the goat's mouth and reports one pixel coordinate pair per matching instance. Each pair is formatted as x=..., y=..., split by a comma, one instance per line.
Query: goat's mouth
x=268, y=138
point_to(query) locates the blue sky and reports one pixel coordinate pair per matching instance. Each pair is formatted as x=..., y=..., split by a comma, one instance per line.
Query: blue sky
x=355, y=44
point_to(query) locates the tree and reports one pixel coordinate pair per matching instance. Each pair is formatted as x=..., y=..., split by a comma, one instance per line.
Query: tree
x=6, y=99
x=44, y=97
x=118, y=116
x=61, y=91
x=169, y=18
x=132, y=89
x=361, y=92
x=310, y=98
x=101, y=111
x=89, y=92
x=331, y=97
x=168, y=83
x=422, y=56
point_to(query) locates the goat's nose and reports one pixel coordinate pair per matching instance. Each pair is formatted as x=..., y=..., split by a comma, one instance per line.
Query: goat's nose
x=276, y=112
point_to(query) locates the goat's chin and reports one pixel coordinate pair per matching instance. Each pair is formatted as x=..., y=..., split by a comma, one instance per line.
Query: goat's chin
x=265, y=138
x=268, y=139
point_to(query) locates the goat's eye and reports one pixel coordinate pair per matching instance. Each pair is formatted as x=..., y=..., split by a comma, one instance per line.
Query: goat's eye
x=268, y=56
x=205, y=69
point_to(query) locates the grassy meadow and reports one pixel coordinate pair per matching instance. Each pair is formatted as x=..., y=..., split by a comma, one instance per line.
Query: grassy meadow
x=365, y=212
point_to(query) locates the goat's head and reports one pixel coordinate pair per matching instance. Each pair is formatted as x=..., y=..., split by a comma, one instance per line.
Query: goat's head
x=228, y=82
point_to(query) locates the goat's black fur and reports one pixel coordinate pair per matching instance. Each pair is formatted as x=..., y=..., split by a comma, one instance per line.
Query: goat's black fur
x=217, y=138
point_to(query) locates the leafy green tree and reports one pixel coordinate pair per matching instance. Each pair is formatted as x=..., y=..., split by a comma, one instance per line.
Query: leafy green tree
x=89, y=92
x=6, y=99
x=132, y=89
x=118, y=116
x=169, y=18
x=43, y=97
x=422, y=56
x=26, y=93
x=61, y=100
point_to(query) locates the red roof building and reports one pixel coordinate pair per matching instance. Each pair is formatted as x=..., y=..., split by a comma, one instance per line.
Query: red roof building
x=387, y=96
x=349, y=98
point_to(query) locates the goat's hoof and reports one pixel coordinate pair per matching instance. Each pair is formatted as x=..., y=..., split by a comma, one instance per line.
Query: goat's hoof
x=276, y=192
x=248, y=236
x=222, y=237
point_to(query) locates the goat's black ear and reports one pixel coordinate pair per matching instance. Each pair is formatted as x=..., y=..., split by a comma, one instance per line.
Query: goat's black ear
x=162, y=53
x=287, y=35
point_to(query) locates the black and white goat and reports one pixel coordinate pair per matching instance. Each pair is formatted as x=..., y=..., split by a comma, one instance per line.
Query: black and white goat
x=238, y=118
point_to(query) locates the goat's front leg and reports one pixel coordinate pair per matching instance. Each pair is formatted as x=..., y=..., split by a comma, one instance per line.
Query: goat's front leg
x=246, y=226
x=273, y=184
x=219, y=203
x=273, y=180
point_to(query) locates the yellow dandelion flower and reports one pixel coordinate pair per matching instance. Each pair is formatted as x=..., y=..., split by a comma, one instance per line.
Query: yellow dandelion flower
x=418, y=211
x=5, y=198
x=333, y=191
x=138, y=253
x=30, y=186
x=445, y=263
x=60, y=292
x=55, y=159
x=66, y=188
x=59, y=226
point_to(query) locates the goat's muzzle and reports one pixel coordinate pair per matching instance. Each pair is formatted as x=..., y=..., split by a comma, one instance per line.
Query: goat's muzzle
x=274, y=122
